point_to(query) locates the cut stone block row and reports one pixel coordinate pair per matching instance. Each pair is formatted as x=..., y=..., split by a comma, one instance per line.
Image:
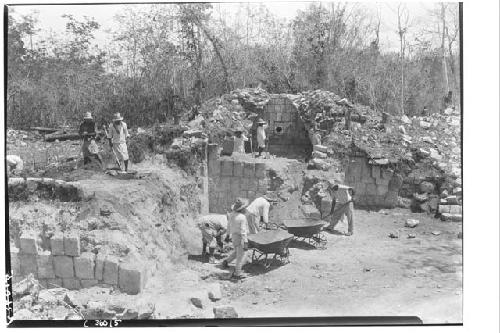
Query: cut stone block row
x=451, y=217
x=28, y=243
x=450, y=209
x=83, y=271
x=237, y=168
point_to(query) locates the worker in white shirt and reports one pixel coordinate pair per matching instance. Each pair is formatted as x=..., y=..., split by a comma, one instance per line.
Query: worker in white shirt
x=118, y=135
x=257, y=212
x=342, y=204
x=239, y=141
x=237, y=230
x=261, y=135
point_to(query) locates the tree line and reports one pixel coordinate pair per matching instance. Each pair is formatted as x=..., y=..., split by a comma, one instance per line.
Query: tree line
x=165, y=60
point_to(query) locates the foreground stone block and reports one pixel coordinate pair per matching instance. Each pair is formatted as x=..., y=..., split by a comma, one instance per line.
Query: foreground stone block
x=45, y=266
x=451, y=217
x=248, y=170
x=63, y=266
x=99, y=266
x=88, y=283
x=318, y=154
x=54, y=283
x=320, y=148
x=260, y=170
x=84, y=265
x=444, y=209
x=226, y=168
x=28, y=244
x=382, y=190
x=238, y=169
x=452, y=200
x=28, y=264
x=131, y=278
x=110, y=275
x=72, y=244
x=225, y=312
x=371, y=189
x=375, y=171
x=57, y=244
x=32, y=184
x=71, y=283
x=455, y=209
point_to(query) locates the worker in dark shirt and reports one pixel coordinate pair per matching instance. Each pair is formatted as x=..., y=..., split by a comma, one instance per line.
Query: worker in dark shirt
x=88, y=133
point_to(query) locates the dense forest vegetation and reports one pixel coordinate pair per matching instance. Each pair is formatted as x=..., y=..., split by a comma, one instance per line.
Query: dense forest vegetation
x=166, y=59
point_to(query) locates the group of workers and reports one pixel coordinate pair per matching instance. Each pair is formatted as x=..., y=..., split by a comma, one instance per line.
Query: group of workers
x=247, y=218
x=240, y=138
x=117, y=135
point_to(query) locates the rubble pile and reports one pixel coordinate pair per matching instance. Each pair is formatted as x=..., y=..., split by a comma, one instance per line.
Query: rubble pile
x=33, y=302
x=223, y=114
x=322, y=108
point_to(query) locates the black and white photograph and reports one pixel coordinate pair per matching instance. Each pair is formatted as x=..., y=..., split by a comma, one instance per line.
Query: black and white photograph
x=235, y=163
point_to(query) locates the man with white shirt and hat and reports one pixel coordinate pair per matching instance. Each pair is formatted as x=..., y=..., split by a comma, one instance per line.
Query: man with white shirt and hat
x=117, y=136
x=261, y=135
x=237, y=231
x=342, y=204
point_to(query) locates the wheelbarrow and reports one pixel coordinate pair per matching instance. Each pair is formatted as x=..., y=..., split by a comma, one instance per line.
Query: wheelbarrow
x=271, y=243
x=307, y=230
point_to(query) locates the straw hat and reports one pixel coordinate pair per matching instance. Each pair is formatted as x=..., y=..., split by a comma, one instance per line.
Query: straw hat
x=260, y=121
x=240, y=204
x=88, y=115
x=117, y=117
x=239, y=129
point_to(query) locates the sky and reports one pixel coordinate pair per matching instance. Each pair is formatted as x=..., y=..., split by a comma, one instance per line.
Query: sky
x=50, y=16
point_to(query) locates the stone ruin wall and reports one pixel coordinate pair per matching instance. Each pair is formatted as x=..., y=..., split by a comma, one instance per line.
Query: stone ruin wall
x=375, y=185
x=229, y=178
x=65, y=266
x=62, y=264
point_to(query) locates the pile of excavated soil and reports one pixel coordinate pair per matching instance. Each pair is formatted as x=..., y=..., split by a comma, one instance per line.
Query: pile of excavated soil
x=151, y=218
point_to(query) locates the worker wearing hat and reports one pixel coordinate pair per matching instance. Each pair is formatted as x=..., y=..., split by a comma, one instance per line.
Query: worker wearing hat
x=239, y=140
x=88, y=133
x=212, y=227
x=237, y=230
x=342, y=204
x=257, y=212
x=261, y=135
x=117, y=136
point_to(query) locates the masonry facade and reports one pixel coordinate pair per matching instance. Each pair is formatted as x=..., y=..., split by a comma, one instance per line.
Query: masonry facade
x=230, y=177
x=287, y=134
x=375, y=185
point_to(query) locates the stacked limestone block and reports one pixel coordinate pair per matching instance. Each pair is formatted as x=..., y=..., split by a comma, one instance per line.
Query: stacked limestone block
x=66, y=266
x=20, y=188
x=375, y=185
x=229, y=179
x=450, y=206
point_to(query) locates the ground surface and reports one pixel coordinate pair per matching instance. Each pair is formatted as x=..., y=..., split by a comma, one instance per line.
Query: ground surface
x=367, y=274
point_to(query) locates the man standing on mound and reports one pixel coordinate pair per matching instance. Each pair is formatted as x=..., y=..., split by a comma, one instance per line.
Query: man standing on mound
x=117, y=136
